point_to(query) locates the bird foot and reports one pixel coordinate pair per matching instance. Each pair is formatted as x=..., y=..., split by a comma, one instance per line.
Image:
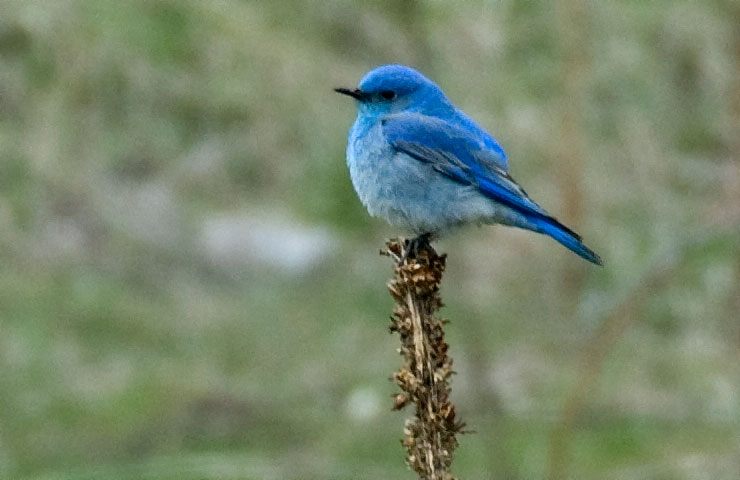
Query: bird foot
x=412, y=248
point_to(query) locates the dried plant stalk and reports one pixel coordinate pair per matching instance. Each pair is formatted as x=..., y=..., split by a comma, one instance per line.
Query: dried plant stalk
x=430, y=437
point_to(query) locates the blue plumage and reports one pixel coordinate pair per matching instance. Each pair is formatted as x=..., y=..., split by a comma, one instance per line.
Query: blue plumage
x=419, y=162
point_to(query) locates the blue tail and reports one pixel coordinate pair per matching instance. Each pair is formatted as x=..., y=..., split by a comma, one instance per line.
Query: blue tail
x=565, y=236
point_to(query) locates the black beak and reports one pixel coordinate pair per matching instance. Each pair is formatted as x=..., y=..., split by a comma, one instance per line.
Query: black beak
x=357, y=94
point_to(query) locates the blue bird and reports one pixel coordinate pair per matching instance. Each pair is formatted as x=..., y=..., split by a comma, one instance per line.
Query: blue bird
x=419, y=162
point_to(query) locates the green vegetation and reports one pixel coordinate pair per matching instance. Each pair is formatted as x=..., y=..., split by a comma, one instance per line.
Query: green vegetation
x=189, y=288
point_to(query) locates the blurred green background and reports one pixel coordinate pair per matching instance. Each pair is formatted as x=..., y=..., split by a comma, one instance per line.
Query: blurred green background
x=189, y=287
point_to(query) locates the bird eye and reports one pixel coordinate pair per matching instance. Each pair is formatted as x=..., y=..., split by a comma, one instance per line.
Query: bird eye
x=388, y=94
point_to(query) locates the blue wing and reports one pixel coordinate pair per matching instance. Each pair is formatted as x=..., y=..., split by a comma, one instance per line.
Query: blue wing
x=458, y=154
x=471, y=157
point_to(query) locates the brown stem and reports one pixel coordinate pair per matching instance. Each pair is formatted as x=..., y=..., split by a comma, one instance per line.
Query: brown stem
x=424, y=375
x=571, y=17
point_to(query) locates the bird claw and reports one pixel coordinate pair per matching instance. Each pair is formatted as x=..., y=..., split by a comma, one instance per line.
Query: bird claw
x=412, y=248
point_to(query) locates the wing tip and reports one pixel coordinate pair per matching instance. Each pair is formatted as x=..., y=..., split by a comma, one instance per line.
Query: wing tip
x=568, y=238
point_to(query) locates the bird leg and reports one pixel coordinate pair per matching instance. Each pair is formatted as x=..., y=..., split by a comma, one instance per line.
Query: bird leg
x=413, y=247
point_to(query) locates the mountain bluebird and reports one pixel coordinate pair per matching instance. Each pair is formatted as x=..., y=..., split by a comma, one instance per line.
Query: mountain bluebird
x=419, y=162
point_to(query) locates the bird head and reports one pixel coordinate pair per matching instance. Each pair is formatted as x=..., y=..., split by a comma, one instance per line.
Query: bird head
x=393, y=89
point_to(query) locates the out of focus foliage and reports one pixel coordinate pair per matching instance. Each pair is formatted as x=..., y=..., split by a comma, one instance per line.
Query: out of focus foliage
x=190, y=289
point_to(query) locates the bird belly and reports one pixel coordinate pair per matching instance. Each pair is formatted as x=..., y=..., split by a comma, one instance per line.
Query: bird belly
x=410, y=194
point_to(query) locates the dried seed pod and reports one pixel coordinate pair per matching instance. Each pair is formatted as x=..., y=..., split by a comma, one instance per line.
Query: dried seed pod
x=429, y=437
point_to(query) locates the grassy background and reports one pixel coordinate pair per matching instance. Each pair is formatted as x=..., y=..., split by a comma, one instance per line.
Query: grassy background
x=189, y=287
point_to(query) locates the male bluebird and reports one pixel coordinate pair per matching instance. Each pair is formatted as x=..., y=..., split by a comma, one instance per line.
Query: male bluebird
x=422, y=164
